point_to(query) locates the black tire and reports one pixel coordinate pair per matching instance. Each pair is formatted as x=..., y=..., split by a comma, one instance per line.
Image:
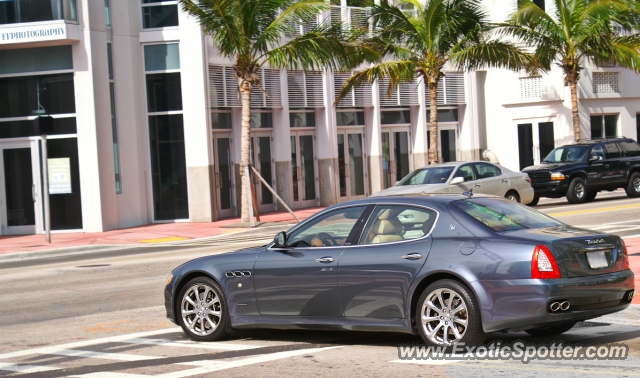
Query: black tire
x=472, y=334
x=222, y=327
x=591, y=196
x=633, y=188
x=536, y=198
x=577, y=192
x=552, y=330
x=513, y=196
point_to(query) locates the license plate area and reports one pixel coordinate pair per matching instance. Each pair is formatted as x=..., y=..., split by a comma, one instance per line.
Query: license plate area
x=597, y=259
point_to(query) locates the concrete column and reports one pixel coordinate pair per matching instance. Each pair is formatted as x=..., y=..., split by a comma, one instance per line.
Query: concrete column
x=93, y=117
x=282, y=146
x=419, y=129
x=327, y=145
x=197, y=135
x=373, y=145
x=469, y=120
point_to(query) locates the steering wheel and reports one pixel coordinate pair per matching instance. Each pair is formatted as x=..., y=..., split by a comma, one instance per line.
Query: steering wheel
x=324, y=237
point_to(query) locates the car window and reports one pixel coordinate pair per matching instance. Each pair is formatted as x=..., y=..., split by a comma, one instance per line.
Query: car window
x=567, y=153
x=397, y=223
x=631, y=148
x=598, y=151
x=486, y=170
x=612, y=150
x=330, y=229
x=466, y=172
x=427, y=176
x=504, y=215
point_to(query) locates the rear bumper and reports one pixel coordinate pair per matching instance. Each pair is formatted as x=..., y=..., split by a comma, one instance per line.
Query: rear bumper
x=523, y=304
x=552, y=189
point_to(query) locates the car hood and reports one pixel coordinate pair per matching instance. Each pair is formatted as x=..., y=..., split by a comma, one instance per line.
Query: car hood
x=239, y=255
x=413, y=189
x=550, y=166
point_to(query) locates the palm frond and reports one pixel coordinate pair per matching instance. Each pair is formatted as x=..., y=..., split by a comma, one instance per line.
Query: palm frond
x=395, y=72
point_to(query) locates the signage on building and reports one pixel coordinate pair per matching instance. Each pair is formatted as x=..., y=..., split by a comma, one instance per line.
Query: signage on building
x=59, y=176
x=33, y=33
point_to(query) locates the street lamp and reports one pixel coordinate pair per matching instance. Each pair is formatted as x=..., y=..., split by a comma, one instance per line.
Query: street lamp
x=43, y=126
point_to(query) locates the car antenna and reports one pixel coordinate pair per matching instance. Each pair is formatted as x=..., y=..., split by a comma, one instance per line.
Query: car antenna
x=469, y=193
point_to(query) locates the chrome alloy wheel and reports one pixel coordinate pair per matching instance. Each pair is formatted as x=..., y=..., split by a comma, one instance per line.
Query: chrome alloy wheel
x=579, y=189
x=201, y=310
x=512, y=197
x=444, y=317
x=636, y=185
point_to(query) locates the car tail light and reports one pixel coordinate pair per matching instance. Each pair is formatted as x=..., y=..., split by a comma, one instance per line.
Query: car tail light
x=528, y=179
x=543, y=265
x=626, y=256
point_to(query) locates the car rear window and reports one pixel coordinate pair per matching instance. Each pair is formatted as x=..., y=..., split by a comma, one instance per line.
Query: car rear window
x=632, y=148
x=503, y=215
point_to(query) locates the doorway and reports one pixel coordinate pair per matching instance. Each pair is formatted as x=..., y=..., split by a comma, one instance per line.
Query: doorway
x=303, y=169
x=525, y=145
x=396, y=153
x=223, y=171
x=20, y=188
x=351, y=165
x=262, y=161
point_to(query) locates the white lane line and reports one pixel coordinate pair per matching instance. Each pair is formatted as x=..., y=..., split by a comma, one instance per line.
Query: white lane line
x=25, y=368
x=212, y=365
x=188, y=344
x=111, y=374
x=101, y=355
x=81, y=344
x=623, y=229
x=636, y=236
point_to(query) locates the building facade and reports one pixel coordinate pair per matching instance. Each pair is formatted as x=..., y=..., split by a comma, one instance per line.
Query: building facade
x=147, y=119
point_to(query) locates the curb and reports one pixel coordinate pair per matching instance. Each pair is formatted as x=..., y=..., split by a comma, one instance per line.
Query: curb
x=16, y=256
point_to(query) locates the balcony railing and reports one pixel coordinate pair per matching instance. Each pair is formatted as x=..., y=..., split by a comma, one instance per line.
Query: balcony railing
x=18, y=11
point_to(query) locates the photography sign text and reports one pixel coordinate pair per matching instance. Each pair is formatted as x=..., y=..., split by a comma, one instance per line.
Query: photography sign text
x=33, y=33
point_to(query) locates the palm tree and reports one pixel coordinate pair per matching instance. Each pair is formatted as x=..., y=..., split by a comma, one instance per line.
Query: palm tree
x=576, y=30
x=418, y=38
x=255, y=33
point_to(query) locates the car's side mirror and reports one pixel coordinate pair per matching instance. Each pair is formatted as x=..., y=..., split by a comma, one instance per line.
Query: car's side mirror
x=280, y=240
x=457, y=180
x=594, y=158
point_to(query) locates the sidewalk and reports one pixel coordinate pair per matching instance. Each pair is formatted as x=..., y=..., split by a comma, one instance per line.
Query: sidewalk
x=154, y=233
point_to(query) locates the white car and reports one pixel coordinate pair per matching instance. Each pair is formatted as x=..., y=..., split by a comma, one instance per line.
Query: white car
x=459, y=177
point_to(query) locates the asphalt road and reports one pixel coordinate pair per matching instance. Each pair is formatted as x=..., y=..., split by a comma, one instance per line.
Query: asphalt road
x=101, y=315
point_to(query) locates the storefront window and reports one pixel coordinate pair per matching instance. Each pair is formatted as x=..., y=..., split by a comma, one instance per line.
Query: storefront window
x=164, y=92
x=27, y=95
x=15, y=11
x=66, y=209
x=261, y=120
x=352, y=118
x=156, y=15
x=221, y=120
x=444, y=115
x=302, y=119
x=395, y=117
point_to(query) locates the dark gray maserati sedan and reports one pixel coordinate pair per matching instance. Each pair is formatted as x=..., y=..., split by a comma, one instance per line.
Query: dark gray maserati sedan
x=448, y=267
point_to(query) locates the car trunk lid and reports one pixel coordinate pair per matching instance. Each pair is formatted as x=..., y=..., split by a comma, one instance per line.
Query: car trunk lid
x=581, y=252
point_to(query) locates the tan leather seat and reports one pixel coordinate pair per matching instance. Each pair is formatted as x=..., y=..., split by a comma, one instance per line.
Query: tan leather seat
x=387, y=230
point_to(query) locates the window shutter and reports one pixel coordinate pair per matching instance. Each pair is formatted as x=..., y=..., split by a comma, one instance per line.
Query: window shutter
x=358, y=97
x=450, y=90
x=606, y=82
x=305, y=89
x=405, y=94
x=530, y=87
x=224, y=88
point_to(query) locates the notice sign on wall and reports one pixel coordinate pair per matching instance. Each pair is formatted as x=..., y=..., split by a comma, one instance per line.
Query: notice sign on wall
x=59, y=176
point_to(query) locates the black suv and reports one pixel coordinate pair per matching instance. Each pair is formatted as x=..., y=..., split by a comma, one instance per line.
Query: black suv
x=582, y=169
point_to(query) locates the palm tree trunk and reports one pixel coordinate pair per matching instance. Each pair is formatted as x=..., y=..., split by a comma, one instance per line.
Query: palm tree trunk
x=574, y=109
x=433, y=123
x=245, y=90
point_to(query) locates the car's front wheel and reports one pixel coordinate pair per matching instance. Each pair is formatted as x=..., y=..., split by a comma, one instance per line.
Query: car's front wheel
x=551, y=330
x=447, y=313
x=633, y=189
x=203, y=313
x=577, y=191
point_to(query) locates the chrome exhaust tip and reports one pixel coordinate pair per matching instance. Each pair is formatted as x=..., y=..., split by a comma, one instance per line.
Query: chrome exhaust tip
x=631, y=296
x=564, y=306
x=555, y=306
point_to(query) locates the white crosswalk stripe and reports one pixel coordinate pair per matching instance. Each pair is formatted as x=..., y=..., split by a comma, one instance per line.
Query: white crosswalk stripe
x=24, y=368
x=189, y=344
x=100, y=355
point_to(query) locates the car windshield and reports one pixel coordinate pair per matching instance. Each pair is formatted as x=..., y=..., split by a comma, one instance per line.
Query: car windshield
x=427, y=176
x=504, y=215
x=570, y=153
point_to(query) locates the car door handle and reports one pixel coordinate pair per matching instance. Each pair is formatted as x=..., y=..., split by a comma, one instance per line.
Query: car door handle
x=477, y=185
x=412, y=256
x=328, y=259
x=504, y=180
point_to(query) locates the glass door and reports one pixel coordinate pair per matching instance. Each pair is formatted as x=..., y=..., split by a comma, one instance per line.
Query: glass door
x=20, y=188
x=448, y=148
x=351, y=165
x=223, y=166
x=396, y=155
x=262, y=161
x=303, y=169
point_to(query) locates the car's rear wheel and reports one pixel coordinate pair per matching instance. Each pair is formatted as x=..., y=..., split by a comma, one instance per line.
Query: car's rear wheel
x=551, y=330
x=447, y=313
x=591, y=195
x=536, y=198
x=577, y=192
x=512, y=195
x=633, y=188
x=203, y=313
